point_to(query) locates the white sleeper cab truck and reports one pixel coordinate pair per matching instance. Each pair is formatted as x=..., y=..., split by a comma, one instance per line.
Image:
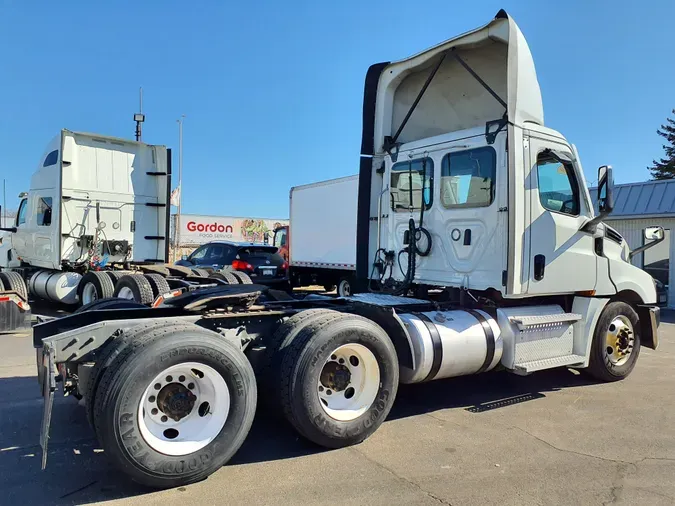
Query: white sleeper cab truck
x=322, y=234
x=479, y=247
x=95, y=223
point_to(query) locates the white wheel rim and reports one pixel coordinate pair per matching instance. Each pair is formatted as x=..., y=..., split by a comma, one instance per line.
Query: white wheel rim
x=198, y=424
x=125, y=293
x=619, y=341
x=344, y=290
x=346, y=399
x=89, y=293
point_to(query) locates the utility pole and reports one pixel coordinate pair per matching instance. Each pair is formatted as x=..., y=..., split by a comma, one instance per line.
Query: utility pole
x=4, y=203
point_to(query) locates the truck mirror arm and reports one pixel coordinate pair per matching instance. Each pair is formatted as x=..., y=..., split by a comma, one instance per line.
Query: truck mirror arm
x=639, y=250
x=9, y=229
x=591, y=225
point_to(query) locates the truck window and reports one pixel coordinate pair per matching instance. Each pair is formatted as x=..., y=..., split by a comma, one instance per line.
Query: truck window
x=468, y=178
x=44, y=211
x=280, y=237
x=405, y=173
x=21, y=215
x=558, y=189
x=51, y=158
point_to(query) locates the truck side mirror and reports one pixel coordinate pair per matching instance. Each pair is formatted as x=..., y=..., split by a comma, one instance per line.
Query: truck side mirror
x=654, y=234
x=605, y=190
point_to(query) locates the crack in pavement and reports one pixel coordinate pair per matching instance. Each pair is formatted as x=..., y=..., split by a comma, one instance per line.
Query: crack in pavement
x=402, y=478
x=616, y=491
x=624, y=468
x=574, y=452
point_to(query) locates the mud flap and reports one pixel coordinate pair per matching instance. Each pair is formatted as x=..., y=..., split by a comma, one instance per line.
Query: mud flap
x=15, y=314
x=48, y=388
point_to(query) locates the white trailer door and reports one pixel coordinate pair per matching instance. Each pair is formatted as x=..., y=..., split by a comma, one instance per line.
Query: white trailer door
x=562, y=258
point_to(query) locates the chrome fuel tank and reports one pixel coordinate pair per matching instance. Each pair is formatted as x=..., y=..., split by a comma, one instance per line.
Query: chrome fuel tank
x=451, y=343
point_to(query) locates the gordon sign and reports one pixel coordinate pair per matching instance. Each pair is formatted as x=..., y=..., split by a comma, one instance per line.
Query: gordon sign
x=195, y=229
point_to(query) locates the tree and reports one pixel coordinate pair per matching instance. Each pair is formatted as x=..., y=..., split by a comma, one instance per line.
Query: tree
x=665, y=168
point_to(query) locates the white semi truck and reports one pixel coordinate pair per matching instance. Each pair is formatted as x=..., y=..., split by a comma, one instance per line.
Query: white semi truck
x=97, y=212
x=321, y=238
x=479, y=245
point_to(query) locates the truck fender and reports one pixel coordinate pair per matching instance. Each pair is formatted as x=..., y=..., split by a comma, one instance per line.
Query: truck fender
x=387, y=318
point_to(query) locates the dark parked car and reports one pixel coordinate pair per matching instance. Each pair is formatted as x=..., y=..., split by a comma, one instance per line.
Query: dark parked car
x=661, y=293
x=261, y=262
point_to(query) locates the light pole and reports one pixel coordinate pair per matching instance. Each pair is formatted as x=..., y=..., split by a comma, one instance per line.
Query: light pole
x=180, y=178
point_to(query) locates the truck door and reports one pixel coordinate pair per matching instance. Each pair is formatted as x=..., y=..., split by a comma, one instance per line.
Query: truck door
x=22, y=239
x=45, y=238
x=561, y=258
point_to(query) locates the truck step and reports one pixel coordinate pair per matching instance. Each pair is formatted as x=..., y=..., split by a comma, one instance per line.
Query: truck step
x=548, y=363
x=549, y=319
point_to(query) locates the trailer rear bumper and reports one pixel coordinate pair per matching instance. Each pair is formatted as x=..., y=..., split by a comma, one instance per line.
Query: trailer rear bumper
x=15, y=313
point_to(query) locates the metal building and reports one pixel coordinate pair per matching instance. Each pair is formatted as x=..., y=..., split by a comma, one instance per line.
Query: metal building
x=648, y=204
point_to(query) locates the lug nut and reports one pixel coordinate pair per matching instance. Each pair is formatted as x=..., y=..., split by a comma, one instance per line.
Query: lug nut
x=154, y=411
x=164, y=418
x=191, y=386
x=152, y=398
x=181, y=378
x=158, y=386
x=169, y=379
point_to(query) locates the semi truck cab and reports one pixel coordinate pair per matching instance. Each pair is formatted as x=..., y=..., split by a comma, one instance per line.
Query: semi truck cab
x=455, y=149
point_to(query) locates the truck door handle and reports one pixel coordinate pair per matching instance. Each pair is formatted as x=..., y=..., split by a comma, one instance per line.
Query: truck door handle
x=539, y=267
x=467, y=237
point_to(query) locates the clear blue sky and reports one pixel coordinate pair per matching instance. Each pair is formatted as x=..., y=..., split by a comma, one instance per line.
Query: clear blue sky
x=273, y=90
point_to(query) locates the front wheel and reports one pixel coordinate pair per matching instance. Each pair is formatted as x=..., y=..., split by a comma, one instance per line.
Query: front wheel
x=175, y=406
x=616, y=343
x=339, y=379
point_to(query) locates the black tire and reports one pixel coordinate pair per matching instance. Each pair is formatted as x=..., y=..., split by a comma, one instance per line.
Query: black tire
x=2, y=286
x=139, y=286
x=111, y=303
x=13, y=281
x=600, y=367
x=303, y=363
x=345, y=286
x=226, y=276
x=123, y=384
x=267, y=365
x=116, y=275
x=158, y=284
x=329, y=287
x=104, y=357
x=102, y=285
x=200, y=272
x=243, y=278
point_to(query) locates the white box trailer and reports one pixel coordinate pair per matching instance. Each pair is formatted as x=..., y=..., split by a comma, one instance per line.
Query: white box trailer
x=323, y=233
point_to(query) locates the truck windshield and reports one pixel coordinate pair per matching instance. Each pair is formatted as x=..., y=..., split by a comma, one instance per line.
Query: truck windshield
x=21, y=215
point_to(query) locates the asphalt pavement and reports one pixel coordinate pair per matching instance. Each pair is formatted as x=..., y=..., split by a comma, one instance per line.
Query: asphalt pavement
x=550, y=438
